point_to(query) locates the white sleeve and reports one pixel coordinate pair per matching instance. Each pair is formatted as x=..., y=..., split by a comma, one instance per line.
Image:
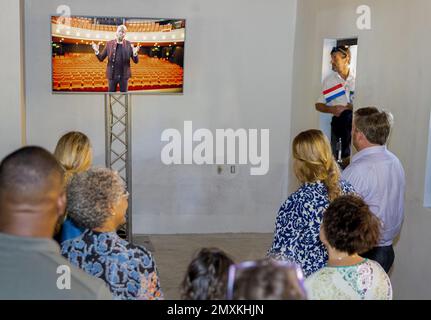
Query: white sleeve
x=321, y=99
x=323, y=88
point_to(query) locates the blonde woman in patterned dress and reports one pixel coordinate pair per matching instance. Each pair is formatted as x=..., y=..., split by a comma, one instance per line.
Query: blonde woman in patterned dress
x=348, y=229
x=297, y=226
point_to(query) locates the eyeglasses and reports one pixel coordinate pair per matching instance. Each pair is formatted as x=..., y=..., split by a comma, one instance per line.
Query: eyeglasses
x=233, y=269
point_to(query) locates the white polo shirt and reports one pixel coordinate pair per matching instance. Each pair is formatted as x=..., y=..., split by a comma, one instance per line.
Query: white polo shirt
x=337, y=91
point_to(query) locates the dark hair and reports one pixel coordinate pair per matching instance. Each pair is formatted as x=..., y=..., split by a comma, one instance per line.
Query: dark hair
x=28, y=172
x=350, y=226
x=374, y=124
x=206, y=276
x=345, y=50
x=267, y=280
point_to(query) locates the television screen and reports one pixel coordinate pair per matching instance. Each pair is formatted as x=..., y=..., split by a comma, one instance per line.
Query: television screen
x=117, y=54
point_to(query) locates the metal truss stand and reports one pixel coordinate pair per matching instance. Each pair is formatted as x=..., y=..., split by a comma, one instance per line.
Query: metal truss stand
x=118, y=145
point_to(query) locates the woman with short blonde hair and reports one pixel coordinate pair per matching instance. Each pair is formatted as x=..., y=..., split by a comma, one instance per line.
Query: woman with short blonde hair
x=298, y=221
x=74, y=153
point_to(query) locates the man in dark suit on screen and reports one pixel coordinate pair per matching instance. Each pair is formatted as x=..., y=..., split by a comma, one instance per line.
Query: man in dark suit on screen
x=119, y=53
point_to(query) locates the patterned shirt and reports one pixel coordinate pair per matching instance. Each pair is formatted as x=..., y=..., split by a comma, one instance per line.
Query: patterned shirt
x=364, y=281
x=297, y=226
x=129, y=270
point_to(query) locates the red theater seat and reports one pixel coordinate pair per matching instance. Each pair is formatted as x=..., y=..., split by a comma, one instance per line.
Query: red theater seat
x=83, y=72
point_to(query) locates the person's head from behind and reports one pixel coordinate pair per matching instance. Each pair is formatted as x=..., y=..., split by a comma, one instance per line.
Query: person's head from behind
x=340, y=58
x=266, y=280
x=121, y=32
x=97, y=200
x=313, y=161
x=206, y=276
x=349, y=226
x=74, y=152
x=32, y=193
x=371, y=127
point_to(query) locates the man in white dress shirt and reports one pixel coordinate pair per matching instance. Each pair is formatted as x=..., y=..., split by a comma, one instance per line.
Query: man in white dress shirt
x=378, y=176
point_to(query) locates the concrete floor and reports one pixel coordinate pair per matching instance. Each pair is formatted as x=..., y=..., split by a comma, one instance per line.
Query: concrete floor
x=173, y=253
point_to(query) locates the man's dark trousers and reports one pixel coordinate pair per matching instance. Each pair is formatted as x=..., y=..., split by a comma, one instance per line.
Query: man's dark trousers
x=385, y=256
x=114, y=82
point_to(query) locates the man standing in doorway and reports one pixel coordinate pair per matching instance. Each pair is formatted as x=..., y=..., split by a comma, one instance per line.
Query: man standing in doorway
x=378, y=177
x=337, y=99
x=119, y=53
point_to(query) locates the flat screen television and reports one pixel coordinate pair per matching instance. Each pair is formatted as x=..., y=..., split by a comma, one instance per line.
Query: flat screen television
x=113, y=54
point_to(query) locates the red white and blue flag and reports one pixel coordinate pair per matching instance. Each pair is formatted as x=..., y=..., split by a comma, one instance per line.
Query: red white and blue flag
x=334, y=92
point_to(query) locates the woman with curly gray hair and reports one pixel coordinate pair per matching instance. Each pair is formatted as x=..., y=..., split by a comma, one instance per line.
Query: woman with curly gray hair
x=97, y=201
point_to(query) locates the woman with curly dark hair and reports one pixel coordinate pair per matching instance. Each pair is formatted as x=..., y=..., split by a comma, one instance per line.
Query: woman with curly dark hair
x=348, y=229
x=206, y=276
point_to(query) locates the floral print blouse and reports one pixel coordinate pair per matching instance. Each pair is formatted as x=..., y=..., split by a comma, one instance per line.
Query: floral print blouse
x=364, y=281
x=297, y=227
x=129, y=270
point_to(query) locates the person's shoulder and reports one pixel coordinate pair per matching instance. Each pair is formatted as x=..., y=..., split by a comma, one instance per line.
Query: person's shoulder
x=310, y=190
x=318, y=277
x=393, y=156
x=304, y=189
x=77, y=243
x=377, y=268
x=356, y=169
x=83, y=286
x=136, y=251
x=331, y=79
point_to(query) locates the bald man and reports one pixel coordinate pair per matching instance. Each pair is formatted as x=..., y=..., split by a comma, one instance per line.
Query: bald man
x=32, y=199
x=119, y=53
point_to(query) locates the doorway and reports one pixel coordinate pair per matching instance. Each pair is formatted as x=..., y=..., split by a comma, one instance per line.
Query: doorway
x=342, y=153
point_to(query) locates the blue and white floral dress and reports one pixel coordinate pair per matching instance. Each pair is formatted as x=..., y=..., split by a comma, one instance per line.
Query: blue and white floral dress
x=297, y=226
x=129, y=270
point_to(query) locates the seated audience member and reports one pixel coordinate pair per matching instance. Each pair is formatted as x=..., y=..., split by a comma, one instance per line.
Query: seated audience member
x=378, y=177
x=266, y=279
x=74, y=152
x=32, y=199
x=97, y=201
x=206, y=276
x=298, y=221
x=348, y=229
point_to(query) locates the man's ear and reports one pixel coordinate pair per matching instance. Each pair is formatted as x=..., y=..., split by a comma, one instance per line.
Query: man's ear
x=61, y=204
x=362, y=137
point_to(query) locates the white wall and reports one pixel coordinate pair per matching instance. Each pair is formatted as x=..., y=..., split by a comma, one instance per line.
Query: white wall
x=10, y=77
x=394, y=73
x=238, y=69
x=248, y=88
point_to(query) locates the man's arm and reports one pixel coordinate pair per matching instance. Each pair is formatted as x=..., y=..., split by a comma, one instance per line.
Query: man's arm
x=335, y=110
x=321, y=107
x=103, y=55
